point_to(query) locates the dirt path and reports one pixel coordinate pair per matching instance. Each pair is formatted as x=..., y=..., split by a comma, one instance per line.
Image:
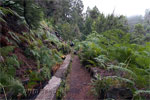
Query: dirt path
x=79, y=81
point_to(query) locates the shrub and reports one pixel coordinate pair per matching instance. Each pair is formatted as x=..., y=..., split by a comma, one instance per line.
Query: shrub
x=11, y=85
x=100, y=86
x=101, y=61
x=89, y=52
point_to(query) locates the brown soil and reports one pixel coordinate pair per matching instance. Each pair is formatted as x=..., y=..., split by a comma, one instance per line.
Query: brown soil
x=79, y=82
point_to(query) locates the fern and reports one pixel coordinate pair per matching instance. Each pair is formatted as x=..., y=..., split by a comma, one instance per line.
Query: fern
x=138, y=92
x=124, y=80
x=101, y=60
x=15, y=37
x=16, y=87
x=141, y=94
x=9, y=65
x=6, y=50
x=45, y=72
x=5, y=11
x=1, y=86
x=12, y=61
x=35, y=76
x=92, y=62
x=11, y=84
x=100, y=85
x=148, y=70
x=89, y=52
x=127, y=71
x=2, y=20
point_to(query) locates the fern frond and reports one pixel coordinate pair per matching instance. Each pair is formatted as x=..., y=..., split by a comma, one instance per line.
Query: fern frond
x=5, y=11
x=101, y=60
x=16, y=87
x=45, y=72
x=15, y=37
x=123, y=70
x=139, y=92
x=92, y=62
x=11, y=84
x=119, y=79
x=142, y=91
x=148, y=70
x=2, y=20
x=12, y=61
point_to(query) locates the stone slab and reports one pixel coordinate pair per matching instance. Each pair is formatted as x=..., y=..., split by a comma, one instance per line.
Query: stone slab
x=49, y=91
x=63, y=68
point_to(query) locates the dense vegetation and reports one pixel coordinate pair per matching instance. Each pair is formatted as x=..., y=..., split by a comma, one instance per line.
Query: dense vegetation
x=126, y=56
x=35, y=34
x=31, y=50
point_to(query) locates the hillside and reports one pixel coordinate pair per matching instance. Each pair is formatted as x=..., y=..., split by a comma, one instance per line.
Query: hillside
x=28, y=57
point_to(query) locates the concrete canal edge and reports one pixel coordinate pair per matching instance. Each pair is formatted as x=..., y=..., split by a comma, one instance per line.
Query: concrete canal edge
x=49, y=91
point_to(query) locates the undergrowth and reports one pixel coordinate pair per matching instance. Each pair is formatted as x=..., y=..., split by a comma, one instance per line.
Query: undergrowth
x=41, y=45
x=128, y=62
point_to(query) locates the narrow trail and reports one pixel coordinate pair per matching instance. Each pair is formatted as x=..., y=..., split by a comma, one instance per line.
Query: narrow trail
x=79, y=82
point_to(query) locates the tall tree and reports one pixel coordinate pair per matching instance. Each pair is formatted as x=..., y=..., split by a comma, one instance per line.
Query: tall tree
x=139, y=29
x=30, y=11
x=147, y=16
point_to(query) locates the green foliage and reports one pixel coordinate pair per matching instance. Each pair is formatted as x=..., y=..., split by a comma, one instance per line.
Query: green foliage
x=12, y=61
x=88, y=27
x=8, y=72
x=65, y=48
x=69, y=31
x=45, y=73
x=6, y=50
x=142, y=77
x=10, y=64
x=139, y=26
x=96, y=45
x=139, y=29
x=122, y=81
x=115, y=36
x=96, y=21
x=15, y=37
x=115, y=48
x=107, y=41
x=89, y=52
x=16, y=87
x=121, y=53
x=101, y=60
x=141, y=94
x=126, y=71
x=4, y=11
x=35, y=76
x=142, y=91
x=11, y=84
x=46, y=56
x=33, y=14
x=61, y=90
x=100, y=85
x=28, y=9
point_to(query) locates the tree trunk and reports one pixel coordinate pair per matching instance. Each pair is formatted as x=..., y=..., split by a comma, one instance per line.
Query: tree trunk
x=24, y=14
